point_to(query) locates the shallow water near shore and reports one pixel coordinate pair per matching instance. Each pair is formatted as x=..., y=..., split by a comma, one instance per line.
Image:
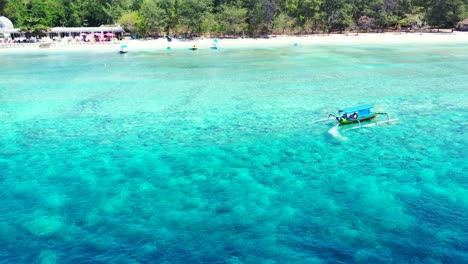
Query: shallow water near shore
x=210, y=156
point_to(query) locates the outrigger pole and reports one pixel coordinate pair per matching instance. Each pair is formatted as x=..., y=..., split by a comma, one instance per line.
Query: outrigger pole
x=376, y=123
x=380, y=122
x=323, y=119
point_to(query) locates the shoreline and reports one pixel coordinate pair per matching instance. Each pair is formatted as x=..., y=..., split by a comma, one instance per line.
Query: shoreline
x=273, y=41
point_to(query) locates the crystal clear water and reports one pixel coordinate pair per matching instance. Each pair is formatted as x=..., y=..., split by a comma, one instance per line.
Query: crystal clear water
x=211, y=156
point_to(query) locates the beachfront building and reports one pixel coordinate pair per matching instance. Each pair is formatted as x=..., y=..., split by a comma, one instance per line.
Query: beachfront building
x=79, y=33
x=86, y=32
x=5, y=27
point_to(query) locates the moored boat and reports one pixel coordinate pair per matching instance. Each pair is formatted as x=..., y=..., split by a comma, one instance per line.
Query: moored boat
x=214, y=45
x=194, y=47
x=123, y=49
x=357, y=114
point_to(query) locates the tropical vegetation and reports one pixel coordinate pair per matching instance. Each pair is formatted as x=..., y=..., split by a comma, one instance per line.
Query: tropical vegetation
x=236, y=17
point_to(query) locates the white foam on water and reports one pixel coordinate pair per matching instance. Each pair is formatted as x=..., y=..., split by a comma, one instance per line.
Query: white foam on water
x=336, y=133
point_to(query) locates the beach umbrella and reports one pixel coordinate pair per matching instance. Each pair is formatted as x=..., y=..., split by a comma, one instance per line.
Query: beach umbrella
x=215, y=40
x=109, y=34
x=83, y=34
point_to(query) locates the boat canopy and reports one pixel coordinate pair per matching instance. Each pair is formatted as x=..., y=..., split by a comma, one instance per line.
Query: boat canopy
x=362, y=109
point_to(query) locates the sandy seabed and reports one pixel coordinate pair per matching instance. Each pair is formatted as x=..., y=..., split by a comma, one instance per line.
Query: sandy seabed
x=204, y=43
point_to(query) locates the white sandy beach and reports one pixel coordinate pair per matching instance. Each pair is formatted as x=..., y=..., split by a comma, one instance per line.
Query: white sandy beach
x=204, y=43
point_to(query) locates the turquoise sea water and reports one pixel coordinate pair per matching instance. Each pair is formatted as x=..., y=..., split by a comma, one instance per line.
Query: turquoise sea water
x=211, y=156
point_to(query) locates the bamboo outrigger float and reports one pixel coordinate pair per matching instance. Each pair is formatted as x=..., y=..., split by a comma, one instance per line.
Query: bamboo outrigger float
x=357, y=114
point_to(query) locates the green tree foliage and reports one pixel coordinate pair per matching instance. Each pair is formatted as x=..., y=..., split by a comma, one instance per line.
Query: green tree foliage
x=445, y=13
x=231, y=18
x=152, y=17
x=171, y=14
x=2, y=6
x=130, y=22
x=114, y=9
x=136, y=5
x=235, y=17
x=411, y=13
x=306, y=12
x=194, y=13
x=384, y=13
x=336, y=15
x=283, y=24
x=261, y=14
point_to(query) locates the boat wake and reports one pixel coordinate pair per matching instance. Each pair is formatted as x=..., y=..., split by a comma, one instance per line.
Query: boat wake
x=336, y=133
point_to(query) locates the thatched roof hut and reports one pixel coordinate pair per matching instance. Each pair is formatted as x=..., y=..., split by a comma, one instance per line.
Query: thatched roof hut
x=463, y=25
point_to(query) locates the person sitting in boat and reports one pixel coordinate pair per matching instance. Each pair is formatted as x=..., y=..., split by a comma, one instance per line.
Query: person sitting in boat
x=355, y=115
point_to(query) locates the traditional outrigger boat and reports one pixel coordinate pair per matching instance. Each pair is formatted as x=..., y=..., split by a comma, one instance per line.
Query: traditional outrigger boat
x=358, y=114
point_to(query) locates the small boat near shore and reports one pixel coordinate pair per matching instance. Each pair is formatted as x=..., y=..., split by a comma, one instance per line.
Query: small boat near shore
x=194, y=47
x=123, y=49
x=357, y=114
x=214, y=45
